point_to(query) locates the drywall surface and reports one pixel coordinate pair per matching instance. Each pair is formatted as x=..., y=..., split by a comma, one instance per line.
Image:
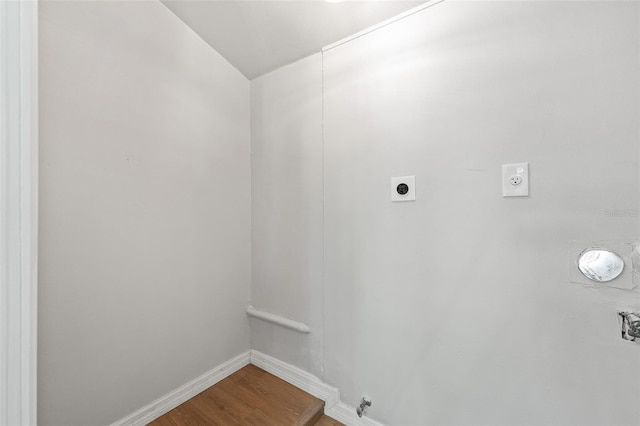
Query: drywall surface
x=457, y=308
x=145, y=209
x=286, y=178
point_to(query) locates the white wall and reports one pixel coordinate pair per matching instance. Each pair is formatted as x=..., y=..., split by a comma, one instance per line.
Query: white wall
x=439, y=309
x=145, y=198
x=457, y=308
x=286, y=167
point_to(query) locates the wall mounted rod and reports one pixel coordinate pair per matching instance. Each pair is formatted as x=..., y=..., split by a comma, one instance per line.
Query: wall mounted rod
x=277, y=319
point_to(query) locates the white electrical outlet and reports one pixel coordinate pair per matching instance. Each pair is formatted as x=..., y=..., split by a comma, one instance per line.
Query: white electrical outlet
x=515, y=180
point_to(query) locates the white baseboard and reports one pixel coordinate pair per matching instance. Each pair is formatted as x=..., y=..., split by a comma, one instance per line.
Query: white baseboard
x=287, y=372
x=176, y=397
x=347, y=414
x=313, y=385
x=297, y=377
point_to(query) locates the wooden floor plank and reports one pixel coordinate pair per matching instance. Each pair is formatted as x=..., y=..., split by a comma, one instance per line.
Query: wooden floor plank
x=249, y=397
x=311, y=415
x=328, y=421
x=258, y=418
x=214, y=413
x=216, y=403
x=185, y=415
x=164, y=421
x=276, y=398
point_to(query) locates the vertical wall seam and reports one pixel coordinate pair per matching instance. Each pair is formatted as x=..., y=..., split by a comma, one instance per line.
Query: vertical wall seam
x=4, y=366
x=250, y=301
x=322, y=343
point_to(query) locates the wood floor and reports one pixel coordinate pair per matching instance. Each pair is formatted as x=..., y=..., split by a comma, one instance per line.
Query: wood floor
x=250, y=396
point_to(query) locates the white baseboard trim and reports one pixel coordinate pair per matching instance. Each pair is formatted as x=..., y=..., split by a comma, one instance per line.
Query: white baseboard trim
x=297, y=377
x=313, y=385
x=347, y=414
x=176, y=397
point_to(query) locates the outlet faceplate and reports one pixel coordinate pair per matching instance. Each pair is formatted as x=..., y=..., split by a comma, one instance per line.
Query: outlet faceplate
x=403, y=188
x=515, y=180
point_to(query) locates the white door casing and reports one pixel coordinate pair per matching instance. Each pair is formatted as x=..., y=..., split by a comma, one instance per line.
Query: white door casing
x=18, y=211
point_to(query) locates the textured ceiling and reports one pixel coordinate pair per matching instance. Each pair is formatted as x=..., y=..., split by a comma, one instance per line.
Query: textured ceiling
x=260, y=36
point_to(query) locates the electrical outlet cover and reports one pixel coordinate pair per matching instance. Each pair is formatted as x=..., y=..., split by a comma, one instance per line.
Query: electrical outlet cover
x=515, y=180
x=403, y=188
